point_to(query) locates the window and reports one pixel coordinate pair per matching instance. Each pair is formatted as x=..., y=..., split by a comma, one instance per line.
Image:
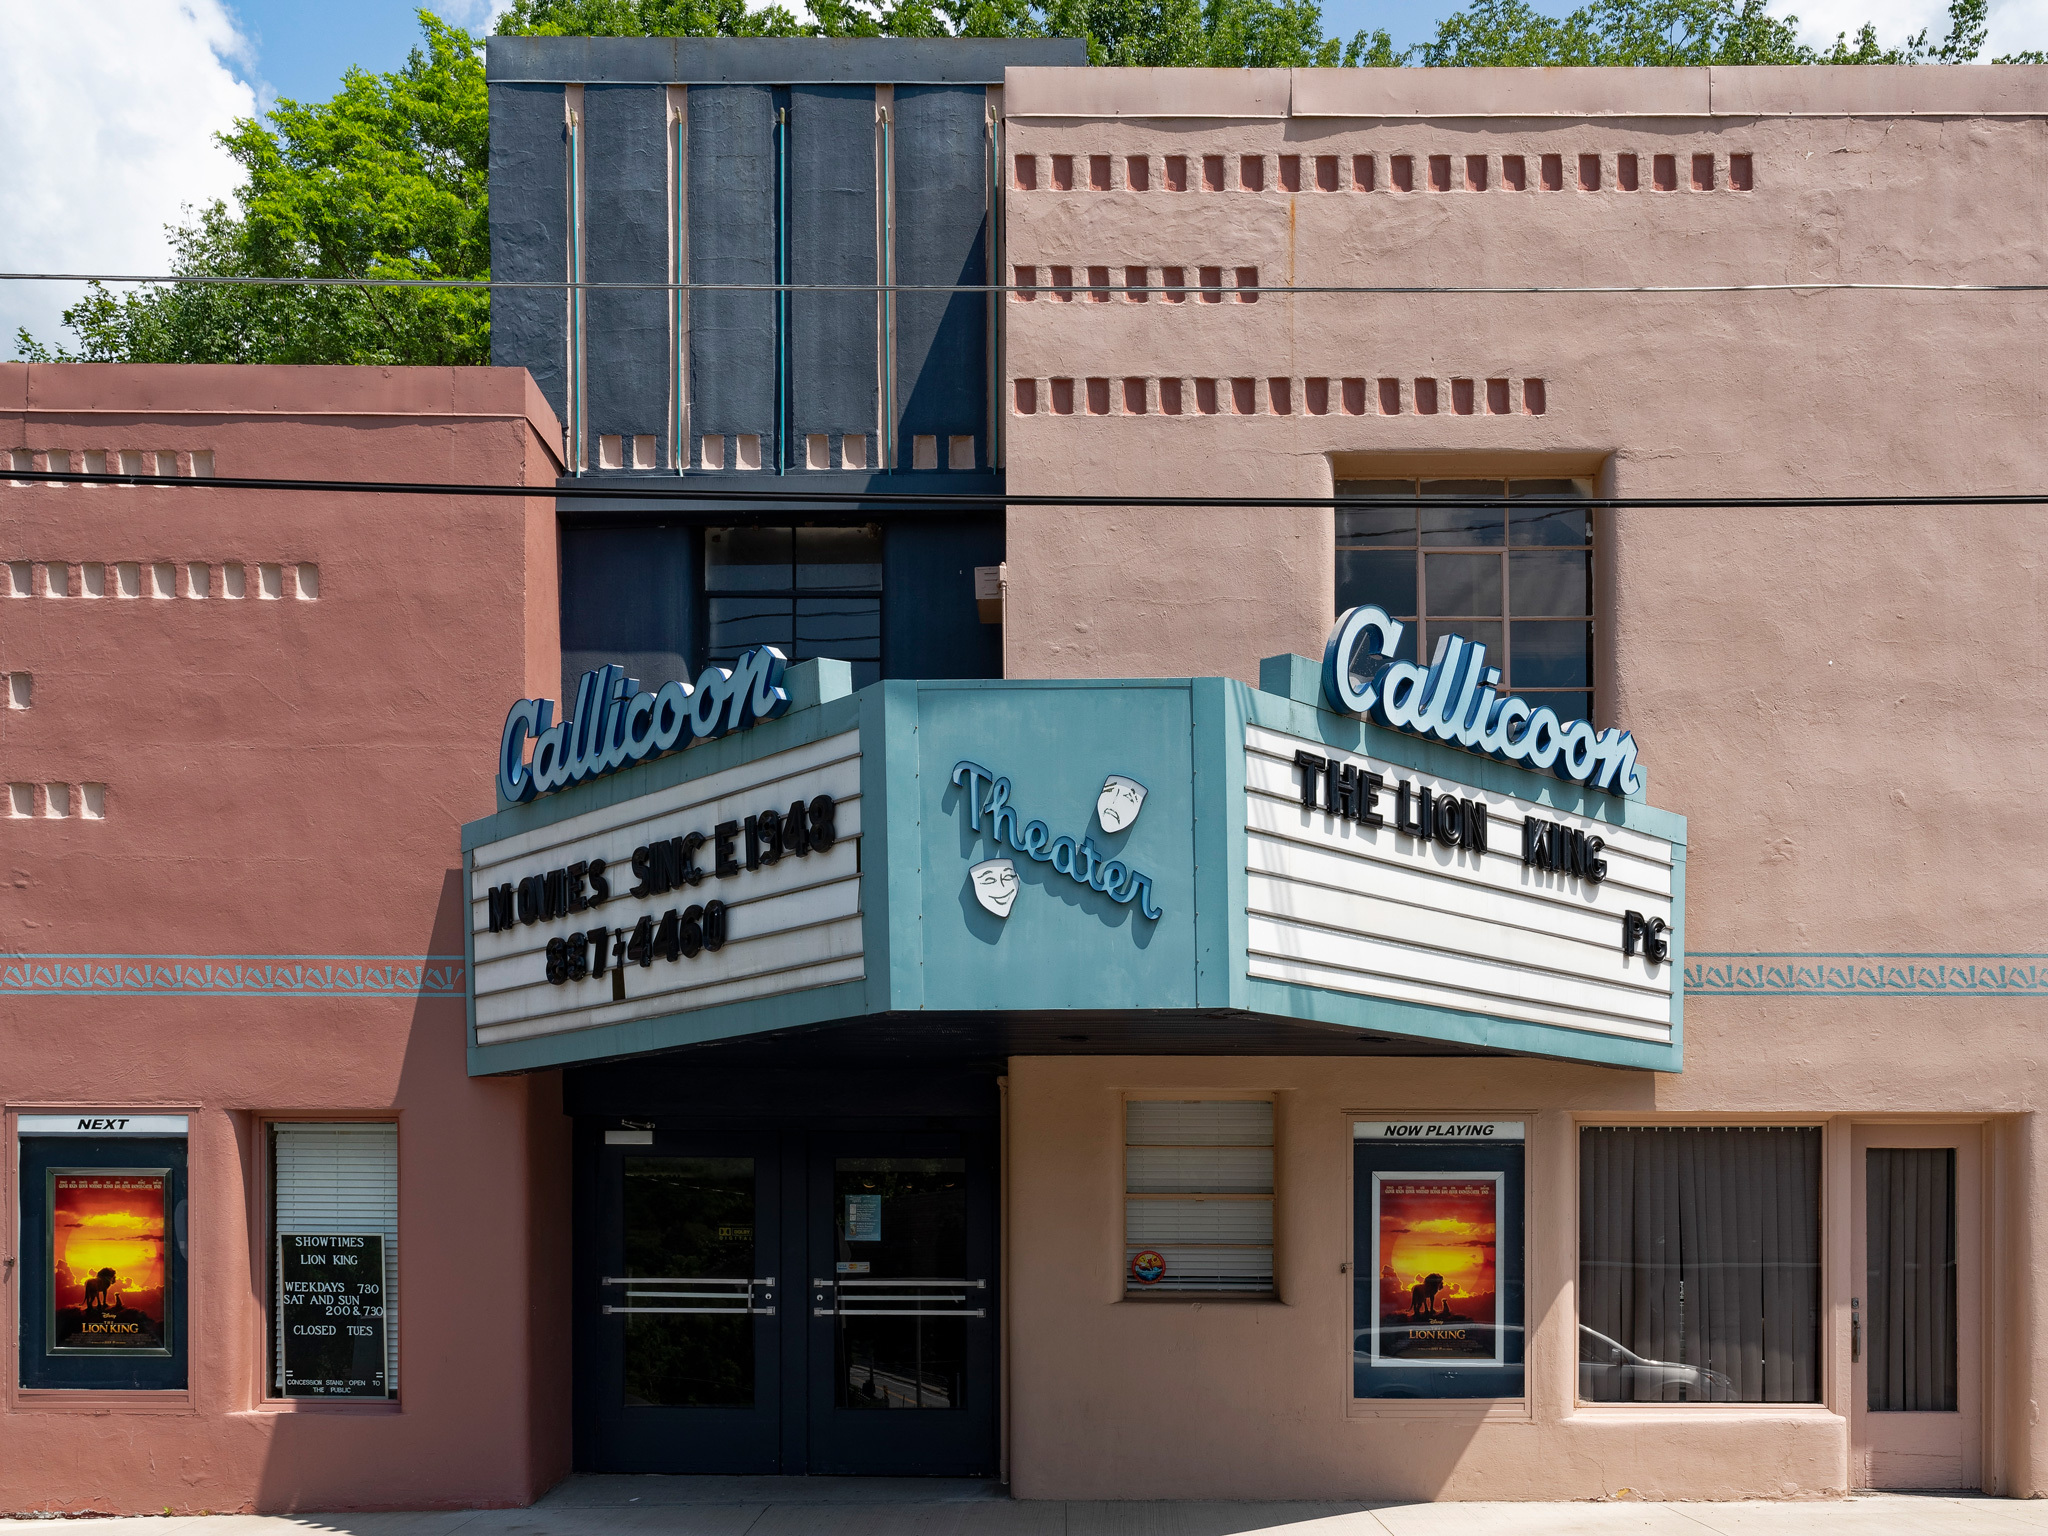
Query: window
x=103, y=1246
x=1437, y=1287
x=1699, y=1264
x=809, y=592
x=334, y=1260
x=1511, y=573
x=1198, y=1203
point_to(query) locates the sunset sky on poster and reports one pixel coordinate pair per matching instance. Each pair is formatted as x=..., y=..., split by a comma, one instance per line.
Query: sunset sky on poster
x=110, y=1221
x=1438, y=1227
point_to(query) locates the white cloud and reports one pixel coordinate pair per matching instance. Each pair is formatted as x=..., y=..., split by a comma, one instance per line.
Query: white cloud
x=2015, y=25
x=111, y=111
x=474, y=16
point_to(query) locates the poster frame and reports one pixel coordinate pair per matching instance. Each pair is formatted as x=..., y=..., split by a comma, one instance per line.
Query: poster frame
x=166, y=1237
x=1497, y=1179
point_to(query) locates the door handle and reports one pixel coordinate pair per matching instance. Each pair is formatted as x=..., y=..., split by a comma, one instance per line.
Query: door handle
x=1855, y=1329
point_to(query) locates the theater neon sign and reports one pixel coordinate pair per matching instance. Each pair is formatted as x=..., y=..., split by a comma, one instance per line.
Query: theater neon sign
x=1455, y=699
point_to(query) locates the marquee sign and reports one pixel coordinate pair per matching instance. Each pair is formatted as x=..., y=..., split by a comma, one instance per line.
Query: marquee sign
x=1367, y=877
x=742, y=884
x=1176, y=861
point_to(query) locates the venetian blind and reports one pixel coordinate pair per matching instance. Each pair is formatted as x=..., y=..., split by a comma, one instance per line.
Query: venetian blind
x=336, y=1178
x=1198, y=1182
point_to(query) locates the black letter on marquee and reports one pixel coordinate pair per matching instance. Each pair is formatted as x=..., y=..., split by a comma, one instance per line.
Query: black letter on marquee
x=1310, y=767
x=1475, y=825
x=722, y=861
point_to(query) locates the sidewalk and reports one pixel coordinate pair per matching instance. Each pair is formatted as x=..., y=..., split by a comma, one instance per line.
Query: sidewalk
x=824, y=1506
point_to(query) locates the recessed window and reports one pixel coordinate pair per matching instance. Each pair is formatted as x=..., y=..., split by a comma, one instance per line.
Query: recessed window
x=809, y=592
x=1511, y=567
x=1699, y=1264
x=1198, y=1201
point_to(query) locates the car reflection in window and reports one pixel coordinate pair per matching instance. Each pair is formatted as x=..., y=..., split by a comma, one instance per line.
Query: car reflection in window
x=1612, y=1373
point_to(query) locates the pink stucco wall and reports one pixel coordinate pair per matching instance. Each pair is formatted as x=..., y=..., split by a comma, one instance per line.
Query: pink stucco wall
x=283, y=779
x=1833, y=698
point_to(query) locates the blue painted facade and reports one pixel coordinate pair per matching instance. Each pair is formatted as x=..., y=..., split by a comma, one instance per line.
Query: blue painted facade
x=1071, y=967
x=757, y=162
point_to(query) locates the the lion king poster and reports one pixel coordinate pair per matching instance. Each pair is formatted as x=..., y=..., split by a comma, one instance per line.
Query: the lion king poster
x=108, y=1277
x=1434, y=1251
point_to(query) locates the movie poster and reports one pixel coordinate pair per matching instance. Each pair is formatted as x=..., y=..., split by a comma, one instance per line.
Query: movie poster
x=1434, y=1249
x=109, y=1279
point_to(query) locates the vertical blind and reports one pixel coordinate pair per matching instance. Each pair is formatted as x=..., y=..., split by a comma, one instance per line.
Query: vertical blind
x=1198, y=1181
x=336, y=1178
x=1699, y=1254
x=1910, y=1247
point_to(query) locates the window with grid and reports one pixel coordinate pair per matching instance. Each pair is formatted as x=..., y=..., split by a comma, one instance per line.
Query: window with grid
x=809, y=592
x=1198, y=1202
x=1510, y=572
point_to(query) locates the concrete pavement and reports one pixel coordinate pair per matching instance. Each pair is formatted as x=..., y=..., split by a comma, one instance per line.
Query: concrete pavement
x=825, y=1506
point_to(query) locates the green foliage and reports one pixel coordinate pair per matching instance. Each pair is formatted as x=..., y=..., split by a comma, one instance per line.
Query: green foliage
x=389, y=179
x=646, y=18
x=1674, y=33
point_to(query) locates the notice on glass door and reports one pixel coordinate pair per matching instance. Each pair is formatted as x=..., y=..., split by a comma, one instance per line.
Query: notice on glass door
x=331, y=1309
x=1434, y=1245
x=863, y=1218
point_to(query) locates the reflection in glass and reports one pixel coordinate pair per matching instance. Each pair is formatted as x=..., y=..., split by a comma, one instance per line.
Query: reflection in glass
x=1699, y=1264
x=1463, y=525
x=786, y=574
x=1546, y=525
x=1385, y=577
x=689, y=1218
x=1553, y=653
x=747, y=559
x=901, y=1218
x=1462, y=584
x=1558, y=582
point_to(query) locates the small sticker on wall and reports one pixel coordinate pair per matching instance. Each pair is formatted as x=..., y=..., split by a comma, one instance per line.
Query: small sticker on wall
x=857, y=1267
x=1148, y=1266
x=863, y=1218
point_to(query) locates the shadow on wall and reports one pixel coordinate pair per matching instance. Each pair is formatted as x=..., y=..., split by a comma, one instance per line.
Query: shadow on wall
x=483, y=1291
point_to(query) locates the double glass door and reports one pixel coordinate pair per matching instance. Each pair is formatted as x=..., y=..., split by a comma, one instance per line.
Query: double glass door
x=789, y=1302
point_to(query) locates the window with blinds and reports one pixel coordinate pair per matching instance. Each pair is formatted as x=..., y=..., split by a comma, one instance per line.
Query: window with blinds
x=335, y=1178
x=1198, y=1196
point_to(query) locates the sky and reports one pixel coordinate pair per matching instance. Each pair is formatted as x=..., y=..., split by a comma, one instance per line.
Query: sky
x=114, y=104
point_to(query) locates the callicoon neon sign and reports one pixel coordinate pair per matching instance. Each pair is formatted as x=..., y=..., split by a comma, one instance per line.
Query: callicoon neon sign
x=1455, y=699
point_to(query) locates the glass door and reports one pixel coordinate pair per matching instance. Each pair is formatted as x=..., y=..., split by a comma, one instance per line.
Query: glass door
x=903, y=1307
x=687, y=1307
x=1915, y=1324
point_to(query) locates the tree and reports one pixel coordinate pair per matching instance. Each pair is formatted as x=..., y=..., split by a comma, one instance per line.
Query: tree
x=1622, y=33
x=389, y=179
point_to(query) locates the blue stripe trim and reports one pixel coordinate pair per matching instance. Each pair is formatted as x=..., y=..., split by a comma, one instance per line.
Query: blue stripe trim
x=1853, y=973
x=233, y=976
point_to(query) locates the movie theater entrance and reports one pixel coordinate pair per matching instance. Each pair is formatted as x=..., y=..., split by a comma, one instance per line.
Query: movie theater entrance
x=815, y=1299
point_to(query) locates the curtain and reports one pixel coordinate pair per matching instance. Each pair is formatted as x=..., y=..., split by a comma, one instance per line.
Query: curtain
x=1910, y=1303
x=1699, y=1254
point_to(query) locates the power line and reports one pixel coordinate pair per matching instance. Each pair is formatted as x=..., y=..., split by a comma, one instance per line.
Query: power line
x=456, y=284
x=676, y=490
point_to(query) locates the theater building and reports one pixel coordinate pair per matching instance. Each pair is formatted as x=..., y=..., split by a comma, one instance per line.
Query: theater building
x=1211, y=899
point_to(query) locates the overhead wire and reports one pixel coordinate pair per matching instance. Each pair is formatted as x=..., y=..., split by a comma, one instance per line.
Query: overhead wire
x=674, y=489
x=1068, y=290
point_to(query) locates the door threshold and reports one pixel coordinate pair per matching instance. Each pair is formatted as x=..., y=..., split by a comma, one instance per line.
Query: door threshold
x=619, y=1490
